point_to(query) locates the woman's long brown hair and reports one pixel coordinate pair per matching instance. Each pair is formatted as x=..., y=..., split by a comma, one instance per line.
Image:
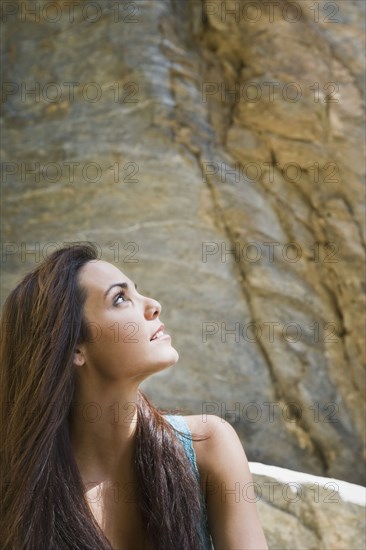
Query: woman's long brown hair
x=43, y=502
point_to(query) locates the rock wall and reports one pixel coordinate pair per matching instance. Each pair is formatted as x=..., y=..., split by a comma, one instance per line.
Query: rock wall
x=213, y=151
x=300, y=511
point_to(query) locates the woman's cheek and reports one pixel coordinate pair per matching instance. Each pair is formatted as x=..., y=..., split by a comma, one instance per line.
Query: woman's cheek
x=132, y=333
x=126, y=332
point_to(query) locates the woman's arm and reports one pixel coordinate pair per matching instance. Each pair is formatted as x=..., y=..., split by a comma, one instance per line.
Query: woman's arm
x=232, y=512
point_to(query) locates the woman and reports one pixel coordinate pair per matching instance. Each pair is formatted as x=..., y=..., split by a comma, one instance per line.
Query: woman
x=88, y=462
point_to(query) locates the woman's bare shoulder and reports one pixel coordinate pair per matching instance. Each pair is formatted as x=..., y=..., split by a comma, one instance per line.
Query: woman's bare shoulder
x=210, y=427
x=204, y=425
x=223, y=464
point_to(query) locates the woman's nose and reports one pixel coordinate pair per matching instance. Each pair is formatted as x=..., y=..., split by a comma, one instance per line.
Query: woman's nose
x=152, y=308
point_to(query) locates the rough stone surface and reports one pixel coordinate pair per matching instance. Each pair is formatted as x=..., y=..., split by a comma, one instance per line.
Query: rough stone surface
x=186, y=165
x=300, y=511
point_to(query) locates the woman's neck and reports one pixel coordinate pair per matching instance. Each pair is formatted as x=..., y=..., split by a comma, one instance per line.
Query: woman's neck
x=102, y=428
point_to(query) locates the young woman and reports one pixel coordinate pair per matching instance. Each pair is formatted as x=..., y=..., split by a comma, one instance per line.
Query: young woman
x=87, y=461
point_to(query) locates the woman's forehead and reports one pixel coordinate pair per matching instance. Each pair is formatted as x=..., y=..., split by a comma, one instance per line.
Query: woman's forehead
x=100, y=274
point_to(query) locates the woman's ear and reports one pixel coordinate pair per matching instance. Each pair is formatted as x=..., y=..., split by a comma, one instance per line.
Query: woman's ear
x=79, y=359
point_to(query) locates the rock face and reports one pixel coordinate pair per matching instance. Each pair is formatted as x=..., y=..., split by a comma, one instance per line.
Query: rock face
x=300, y=511
x=213, y=151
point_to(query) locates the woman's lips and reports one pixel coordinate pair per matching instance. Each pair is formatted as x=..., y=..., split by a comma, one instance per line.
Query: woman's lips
x=162, y=337
x=159, y=335
x=159, y=329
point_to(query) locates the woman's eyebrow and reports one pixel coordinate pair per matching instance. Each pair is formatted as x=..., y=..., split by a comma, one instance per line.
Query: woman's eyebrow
x=121, y=285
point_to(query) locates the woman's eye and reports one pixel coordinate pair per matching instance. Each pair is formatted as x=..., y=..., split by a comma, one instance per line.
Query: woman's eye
x=118, y=297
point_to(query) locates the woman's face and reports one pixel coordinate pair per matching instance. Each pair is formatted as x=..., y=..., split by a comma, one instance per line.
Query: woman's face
x=122, y=323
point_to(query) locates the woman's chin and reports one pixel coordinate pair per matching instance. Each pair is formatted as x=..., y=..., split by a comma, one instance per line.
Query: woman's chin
x=177, y=357
x=171, y=359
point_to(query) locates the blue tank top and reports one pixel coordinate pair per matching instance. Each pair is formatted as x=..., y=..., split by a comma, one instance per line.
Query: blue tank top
x=180, y=424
